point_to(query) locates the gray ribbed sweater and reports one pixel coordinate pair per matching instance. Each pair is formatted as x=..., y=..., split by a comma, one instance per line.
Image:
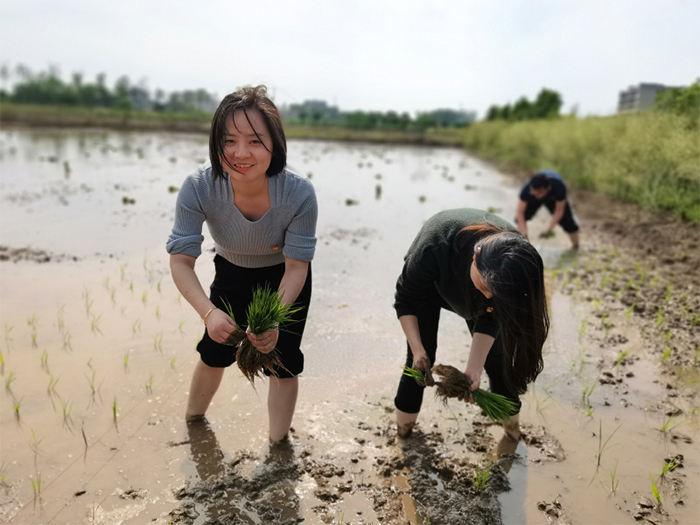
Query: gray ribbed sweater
x=288, y=228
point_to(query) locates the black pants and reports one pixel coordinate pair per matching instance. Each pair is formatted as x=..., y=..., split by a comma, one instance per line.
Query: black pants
x=236, y=285
x=409, y=396
x=568, y=221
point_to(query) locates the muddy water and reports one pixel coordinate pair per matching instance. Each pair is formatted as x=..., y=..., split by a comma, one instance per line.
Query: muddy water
x=98, y=351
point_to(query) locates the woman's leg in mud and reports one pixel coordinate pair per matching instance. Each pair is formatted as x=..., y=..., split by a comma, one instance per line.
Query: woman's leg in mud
x=205, y=383
x=281, y=401
x=409, y=396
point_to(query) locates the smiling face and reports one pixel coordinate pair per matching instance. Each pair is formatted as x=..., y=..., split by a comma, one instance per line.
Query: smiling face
x=247, y=155
x=478, y=280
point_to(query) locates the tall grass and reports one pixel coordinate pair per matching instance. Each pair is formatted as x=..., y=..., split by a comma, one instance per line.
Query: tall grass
x=651, y=158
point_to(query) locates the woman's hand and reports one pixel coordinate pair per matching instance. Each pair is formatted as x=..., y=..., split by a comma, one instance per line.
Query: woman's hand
x=220, y=326
x=421, y=360
x=265, y=342
x=475, y=378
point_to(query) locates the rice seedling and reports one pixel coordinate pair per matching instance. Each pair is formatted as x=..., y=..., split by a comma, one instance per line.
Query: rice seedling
x=136, y=326
x=82, y=430
x=34, y=342
x=95, y=325
x=158, y=343
x=480, y=478
x=668, y=467
x=8, y=381
x=586, y=397
x=52, y=384
x=112, y=295
x=149, y=385
x=666, y=355
x=60, y=321
x=87, y=302
x=455, y=384
x=8, y=339
x=36, y=485
x=607, y=325
x=602, y=445
x=669, y=293
x=158, y=285
x=266, y=312
x=131, y=286
x=126, y=361
x=604, y=282
x=44, y=358
x=172, y=363
x=629, y=284
x=655, y=489
x=2, y=364
x=179, y=298
x=597, y=304
x=629, y=311
x=660, y=319
x=67, y=408
x=122, y=272
x=158, y=312
x=66, y=342
x=666, y=426
x=696, y=358
x=3, y=473
x=17, y=404
x=614, y=481
x=114, y=409
x=668, y=334
x=179, y=327
x=620, y=357
x=654, y=282
x=694, y=319
x=584, y=326
x=144, y=298
x=94, y=387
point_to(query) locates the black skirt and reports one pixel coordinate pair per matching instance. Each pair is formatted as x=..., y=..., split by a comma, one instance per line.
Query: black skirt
x=236, y=285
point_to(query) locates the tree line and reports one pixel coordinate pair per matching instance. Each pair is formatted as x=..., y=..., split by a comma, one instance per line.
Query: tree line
x=48, y=88
x=547, y=105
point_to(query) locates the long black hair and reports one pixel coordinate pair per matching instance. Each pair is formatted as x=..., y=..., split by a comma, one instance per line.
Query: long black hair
x=512, y=270
x=246, y=99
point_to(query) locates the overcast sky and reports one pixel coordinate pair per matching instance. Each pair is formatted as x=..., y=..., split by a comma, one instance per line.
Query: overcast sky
x=402, y=55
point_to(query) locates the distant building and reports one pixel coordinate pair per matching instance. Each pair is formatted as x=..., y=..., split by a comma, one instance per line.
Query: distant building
x=639, y=97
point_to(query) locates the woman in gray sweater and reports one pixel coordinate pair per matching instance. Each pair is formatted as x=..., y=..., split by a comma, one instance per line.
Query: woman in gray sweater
x=262, y=219
x=477, y=265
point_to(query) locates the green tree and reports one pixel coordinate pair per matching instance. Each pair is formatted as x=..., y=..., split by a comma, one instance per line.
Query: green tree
x=547, y=104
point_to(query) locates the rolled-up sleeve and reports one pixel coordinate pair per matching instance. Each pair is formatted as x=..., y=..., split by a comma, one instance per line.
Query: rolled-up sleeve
x=300, y=237
x=186, y=237
x=488, y=324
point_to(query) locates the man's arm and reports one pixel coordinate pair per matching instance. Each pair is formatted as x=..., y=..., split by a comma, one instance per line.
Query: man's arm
x=520, y=216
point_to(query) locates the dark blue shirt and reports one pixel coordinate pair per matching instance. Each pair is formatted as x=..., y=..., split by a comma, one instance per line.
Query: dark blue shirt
x=556, y=193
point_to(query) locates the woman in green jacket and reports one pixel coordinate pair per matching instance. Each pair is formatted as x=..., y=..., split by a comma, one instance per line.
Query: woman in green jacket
x=477, y=265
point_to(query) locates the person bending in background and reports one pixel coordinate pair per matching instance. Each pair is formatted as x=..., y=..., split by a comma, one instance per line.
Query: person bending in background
x=475, y=264
x=262, y=219
x=547, y=187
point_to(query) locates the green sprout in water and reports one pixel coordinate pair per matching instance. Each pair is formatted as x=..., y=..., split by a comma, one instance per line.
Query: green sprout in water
x=149, y=385
x=480, y=478
x=9, y=380
x=660, y=319
x=586, y=398
x=44, y=358
x=667, y=354
x=144, y=298
x=629, y=311
x=2, y=364
x=669, y=466
x=621, y=356
x=655, y=489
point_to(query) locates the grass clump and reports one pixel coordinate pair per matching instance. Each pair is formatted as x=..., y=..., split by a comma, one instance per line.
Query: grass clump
x=265, y=312
x=454, y=383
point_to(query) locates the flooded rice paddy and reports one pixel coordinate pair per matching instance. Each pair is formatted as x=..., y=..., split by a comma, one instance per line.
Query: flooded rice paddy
x=98, y=349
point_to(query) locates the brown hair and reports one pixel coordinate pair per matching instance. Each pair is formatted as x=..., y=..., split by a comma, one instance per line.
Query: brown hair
x=245, y=99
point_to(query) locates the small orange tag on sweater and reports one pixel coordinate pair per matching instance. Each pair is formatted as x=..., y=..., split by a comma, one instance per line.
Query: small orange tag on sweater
x=489, y=309
x=275, y=247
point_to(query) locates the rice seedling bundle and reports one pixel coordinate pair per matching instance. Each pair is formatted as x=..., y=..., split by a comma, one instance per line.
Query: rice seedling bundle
x=454, y=383
x=265, y=312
